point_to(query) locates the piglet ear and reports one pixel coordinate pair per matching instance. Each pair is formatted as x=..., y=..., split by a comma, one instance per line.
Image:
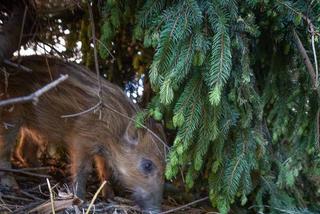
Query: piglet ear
x=131, y=134
x=158, y=129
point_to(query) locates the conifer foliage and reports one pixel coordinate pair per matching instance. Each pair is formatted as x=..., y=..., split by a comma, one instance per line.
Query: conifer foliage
x=230, y=79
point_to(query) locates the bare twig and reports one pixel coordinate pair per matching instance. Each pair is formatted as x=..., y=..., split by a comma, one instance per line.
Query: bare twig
x=31, y=195
x=122, y=200
x=93, y=31
x=313, y=73
x=12, y=64
x=49, y=70
x=101, y=43
x=318, y=129
x=12, y=197
x=95, y=53
x=120, y=207
x=313, y=32
x=24, y=209
x=37, y=168
x=25, y=173
x=41, y=192
x=4, y=205
x=95, y=196
x=305, y=18
x=140, y=124
x=34, y=96
x=5, y=208
x=82, y=112
x=305, y=57
x=58, y=205
x=6, y=80
x=22, y=28
x=51, y=196
x=38, y=187
x=62, y=55
x=166, y=147
x=186, y=205
x=314, y=54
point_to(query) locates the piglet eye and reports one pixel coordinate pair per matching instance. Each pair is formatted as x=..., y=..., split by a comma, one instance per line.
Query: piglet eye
x=147, y=166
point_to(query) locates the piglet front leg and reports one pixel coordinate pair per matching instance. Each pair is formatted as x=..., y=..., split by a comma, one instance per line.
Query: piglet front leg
x=7, y=142
x=81, y=167
x=103, y=171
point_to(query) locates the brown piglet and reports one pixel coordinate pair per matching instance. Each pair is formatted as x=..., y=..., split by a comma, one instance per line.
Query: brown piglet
x=106, y=135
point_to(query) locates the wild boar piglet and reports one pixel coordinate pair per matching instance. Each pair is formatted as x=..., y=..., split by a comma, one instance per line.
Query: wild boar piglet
x=134, y=157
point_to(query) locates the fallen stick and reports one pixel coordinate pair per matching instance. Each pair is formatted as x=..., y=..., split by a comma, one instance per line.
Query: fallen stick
x=4, y=207
x=185, y=206
x=25, y=173
x=35, y=95
x=29, y=195
x=37, y=168
x=37, y=187
x=11, y=197
x=25, y=209
x=47, y=206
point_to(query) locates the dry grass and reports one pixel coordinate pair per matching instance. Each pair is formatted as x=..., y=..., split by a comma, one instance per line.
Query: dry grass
x=37, y=195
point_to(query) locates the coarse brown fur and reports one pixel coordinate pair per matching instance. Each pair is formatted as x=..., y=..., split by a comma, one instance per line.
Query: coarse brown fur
x=104, y=135
x=29, y=149
x=33, y=151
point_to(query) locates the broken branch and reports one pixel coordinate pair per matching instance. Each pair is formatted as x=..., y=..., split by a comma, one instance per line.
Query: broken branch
x=34, y=96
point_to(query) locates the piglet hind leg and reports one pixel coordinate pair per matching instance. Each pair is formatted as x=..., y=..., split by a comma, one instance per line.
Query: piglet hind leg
x=81, y=167
x=7, y=142
x=27, y=151
x=103, y=171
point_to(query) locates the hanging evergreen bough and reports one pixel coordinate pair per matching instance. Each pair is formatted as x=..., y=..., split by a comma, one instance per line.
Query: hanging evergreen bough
x=230, y=79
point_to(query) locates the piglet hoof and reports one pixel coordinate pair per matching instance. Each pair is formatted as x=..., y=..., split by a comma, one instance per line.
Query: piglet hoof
x=7, y=180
